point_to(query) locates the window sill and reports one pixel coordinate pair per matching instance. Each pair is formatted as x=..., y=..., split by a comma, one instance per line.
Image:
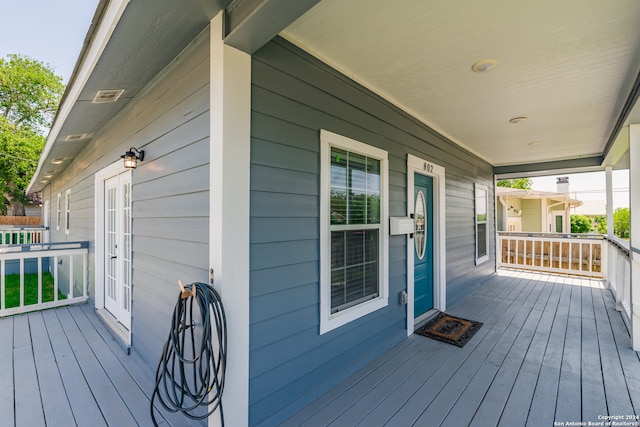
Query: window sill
x=342, y=318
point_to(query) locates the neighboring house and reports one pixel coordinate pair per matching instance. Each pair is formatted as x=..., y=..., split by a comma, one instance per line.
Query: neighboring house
x=534, y=211
x=267, y=162
x=592, y=208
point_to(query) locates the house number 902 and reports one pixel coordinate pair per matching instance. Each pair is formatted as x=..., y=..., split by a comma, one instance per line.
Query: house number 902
x=428, y=167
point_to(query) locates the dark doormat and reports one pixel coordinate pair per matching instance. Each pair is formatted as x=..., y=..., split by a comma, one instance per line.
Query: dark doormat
x=449, y=329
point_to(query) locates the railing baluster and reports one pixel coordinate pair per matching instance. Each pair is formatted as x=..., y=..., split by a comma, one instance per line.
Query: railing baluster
x=84, y=275
x=21, y=282
x=39, y=280
x=70, y=276
x=55, y=278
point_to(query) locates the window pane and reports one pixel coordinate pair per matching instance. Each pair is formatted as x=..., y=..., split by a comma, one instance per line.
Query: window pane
x=337, y=288
x=357, y=213
x=354, y=275
x=337, y=249
x=371, y=246
x=481, y=205
x=354, y=247
x=482, y=240
x=355, y=198
x=373, y=191
x=339, y=159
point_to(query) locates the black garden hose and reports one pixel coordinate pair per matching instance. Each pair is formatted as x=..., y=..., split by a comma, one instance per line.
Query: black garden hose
x=191, y=369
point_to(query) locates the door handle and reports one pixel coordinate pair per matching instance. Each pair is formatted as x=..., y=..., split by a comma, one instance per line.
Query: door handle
x=114, y=257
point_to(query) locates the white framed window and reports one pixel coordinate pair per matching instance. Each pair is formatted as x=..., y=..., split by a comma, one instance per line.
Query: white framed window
x=59, y=212
x=67, y=211
x=481, y=216
x=353, y=230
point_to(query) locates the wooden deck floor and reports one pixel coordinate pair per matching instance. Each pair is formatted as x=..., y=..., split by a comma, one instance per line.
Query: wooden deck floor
x=61, y=367
x=552, y=349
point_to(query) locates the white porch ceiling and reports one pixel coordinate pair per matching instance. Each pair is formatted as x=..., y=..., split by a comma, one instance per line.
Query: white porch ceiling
x=568, y=66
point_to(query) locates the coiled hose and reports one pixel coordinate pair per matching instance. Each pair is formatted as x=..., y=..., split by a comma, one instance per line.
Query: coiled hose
x=191, y=369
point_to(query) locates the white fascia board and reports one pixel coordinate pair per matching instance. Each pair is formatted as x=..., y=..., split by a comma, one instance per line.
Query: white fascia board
x=110, y=19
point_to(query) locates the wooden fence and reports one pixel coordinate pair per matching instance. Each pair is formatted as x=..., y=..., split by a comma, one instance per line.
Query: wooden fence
x=34, y=221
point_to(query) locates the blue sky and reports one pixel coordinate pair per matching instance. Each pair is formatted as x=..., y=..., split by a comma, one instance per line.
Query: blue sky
x=49, y=31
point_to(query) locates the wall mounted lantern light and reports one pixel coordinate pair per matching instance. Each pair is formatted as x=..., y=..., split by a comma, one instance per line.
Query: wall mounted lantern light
x=131, y=159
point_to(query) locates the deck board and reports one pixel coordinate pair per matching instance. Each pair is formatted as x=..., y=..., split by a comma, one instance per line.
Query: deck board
x=60, y=367
x=458, y=399
x=107, y=397
x=57, y=410
x=618, y=400
x=28, y=405
x=552, y=348
x=6, y=371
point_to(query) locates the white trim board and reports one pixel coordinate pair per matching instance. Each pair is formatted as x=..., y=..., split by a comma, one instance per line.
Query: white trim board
x=329, y=321
x=230, y=121
x=99, y=178
x=428, y=168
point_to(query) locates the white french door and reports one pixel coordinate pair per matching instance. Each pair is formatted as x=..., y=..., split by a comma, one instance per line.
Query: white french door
x=117, y=247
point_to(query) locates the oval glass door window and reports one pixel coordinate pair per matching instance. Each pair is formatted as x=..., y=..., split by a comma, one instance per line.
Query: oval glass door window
x=420, y=231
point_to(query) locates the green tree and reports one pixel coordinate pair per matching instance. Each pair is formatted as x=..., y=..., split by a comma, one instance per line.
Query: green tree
x=29, y=96
x=622, y=222
x=580, y=224
x=601, y=224
x=521, y=183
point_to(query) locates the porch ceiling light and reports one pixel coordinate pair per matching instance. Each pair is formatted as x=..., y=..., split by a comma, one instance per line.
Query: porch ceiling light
x=57, y=161
x=131, y=159
x=484, y=65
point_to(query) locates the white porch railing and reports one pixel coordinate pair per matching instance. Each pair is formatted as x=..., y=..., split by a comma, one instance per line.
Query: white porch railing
x=23, y=235
x=619, y=274
x=39, y=276
x=579, y=254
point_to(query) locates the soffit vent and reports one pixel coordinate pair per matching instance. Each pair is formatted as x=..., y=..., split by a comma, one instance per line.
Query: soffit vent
x=104, y=96
x=76, y=137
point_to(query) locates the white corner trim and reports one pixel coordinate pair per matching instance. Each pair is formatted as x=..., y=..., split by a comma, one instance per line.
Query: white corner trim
x=330, y=321
x=230, y=144
x=428, y=168
x=114, y=11
x=634, y=241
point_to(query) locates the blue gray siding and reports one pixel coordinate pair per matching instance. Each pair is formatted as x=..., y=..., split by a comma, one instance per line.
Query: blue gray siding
x=293, y=97
x=170, y=121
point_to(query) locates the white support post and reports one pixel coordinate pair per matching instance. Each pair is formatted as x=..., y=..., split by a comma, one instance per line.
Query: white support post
x=608, y=173
x=634, y=204
x=230, y=119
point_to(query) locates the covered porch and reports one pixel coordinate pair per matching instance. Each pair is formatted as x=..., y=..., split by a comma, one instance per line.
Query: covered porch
x=552, y=348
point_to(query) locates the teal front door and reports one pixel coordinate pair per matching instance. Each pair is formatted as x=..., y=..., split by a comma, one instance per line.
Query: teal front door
x=423, y=244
